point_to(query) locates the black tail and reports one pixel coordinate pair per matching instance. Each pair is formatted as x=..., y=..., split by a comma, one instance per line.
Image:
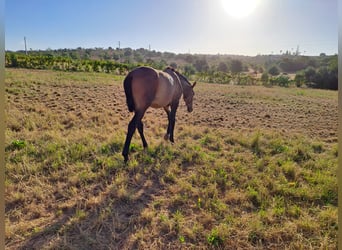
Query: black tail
x=128, y=92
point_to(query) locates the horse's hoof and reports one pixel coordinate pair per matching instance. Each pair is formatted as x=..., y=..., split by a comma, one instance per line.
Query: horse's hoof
x=125, y=158
x=166, y=137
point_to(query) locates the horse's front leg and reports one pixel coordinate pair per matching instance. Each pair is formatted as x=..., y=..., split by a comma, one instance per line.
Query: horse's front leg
x=172, y=120
x=167, y=135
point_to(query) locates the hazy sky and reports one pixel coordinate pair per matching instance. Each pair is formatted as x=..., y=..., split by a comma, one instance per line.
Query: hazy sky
x=180, y=26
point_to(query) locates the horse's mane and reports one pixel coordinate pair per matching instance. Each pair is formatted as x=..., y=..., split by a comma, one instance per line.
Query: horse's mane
x=171, y=68
x=179, y=74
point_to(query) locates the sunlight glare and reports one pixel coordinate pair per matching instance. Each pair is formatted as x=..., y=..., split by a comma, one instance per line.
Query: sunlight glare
x=239, y=8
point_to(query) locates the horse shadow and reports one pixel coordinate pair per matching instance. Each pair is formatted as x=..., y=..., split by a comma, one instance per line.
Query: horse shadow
x=111, y=215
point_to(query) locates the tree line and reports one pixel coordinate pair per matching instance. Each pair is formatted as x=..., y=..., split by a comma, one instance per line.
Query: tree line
x=312, y=71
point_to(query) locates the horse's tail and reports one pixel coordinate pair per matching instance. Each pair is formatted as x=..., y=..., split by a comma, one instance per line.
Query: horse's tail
x=128, y=92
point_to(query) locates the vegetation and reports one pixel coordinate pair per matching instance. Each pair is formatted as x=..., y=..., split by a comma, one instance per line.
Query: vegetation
x=319, y=71
x=67, y=186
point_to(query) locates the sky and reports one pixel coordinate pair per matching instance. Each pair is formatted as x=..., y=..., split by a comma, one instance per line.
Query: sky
x=178, y=26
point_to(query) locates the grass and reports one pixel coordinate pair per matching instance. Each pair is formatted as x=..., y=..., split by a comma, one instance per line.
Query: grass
x=67, y=186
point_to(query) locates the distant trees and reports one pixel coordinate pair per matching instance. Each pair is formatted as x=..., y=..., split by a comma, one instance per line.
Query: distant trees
x=326, y=76
x=49, y=61
x=317, y=72
x=292, y=64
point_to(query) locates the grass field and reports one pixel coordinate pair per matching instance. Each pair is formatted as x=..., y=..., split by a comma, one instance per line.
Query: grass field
x=251, y=168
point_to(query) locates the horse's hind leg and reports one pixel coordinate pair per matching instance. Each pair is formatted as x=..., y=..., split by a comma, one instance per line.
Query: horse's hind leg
x=141, y=132
x=133, y=124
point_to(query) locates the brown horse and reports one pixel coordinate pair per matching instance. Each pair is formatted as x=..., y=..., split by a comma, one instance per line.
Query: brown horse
x=147, y=87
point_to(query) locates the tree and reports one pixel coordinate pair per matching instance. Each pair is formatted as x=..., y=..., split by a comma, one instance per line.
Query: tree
x=236, y=66
x=264, y=78
x=13, y=60
x=299, y=79
x=201, y=64
x=222, y=67
x=309, y=74
x=274, y=71
x=282, y=80
x=189, y=70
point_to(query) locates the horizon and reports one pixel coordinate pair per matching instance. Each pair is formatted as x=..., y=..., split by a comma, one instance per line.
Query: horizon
x=199, y=54
x=199, y=27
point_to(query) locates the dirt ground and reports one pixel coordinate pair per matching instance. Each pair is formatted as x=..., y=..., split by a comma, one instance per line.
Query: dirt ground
x=309, y=112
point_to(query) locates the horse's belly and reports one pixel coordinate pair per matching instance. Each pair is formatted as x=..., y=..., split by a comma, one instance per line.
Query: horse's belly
x=164, y=94
x=155, y=105
x=160, y=102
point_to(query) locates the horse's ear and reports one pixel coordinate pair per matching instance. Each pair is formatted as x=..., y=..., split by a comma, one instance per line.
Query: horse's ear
x=193, y=85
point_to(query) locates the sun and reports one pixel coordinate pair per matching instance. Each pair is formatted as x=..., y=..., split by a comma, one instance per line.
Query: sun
x=239, y=8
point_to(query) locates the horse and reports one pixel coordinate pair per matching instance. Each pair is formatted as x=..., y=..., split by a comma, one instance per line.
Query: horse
x=148, y=87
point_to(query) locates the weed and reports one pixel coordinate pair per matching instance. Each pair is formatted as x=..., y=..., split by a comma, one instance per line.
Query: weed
x=300, y=93
x=214, y=239
x=317, y=148
x=294, y=211
x=80, y=214
x=255, y=144
x=16, y=145
x=279, y=206
x=255, y=237
x=289, y=169
x=278, y=147
x=254, y=196
x=300, y=154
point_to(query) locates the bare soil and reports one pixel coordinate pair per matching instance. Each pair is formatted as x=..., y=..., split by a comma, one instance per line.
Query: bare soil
x=301, y=111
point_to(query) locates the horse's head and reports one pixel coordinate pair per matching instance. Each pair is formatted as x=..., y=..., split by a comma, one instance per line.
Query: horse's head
x=187, y=87
x=189, y=96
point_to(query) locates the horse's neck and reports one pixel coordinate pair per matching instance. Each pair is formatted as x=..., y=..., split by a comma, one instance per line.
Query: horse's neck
x=185, y=85
x=175, y=76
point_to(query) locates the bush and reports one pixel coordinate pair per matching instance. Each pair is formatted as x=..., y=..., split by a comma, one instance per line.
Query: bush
x=299, y=79
x=282, y=81
x=264, y=78
x=274, y=71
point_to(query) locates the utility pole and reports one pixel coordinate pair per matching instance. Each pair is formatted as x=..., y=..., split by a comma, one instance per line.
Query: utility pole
x=119, y=51
x=297, y=51
x=25, y=45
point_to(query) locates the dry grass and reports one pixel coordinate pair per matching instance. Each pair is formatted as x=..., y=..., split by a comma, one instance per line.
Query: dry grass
x=252, y=168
